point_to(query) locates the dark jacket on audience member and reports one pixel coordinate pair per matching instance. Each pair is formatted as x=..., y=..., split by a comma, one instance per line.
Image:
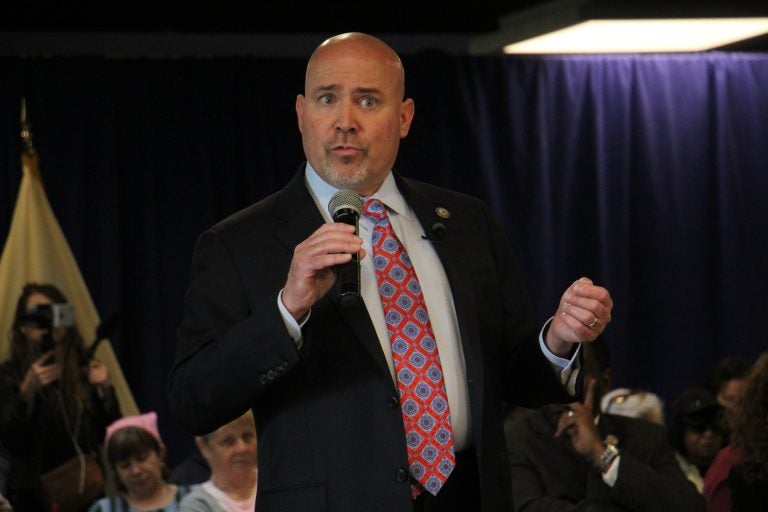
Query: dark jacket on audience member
x=549, y=475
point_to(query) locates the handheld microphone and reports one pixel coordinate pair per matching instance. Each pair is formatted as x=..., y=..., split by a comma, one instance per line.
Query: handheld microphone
x=345, y=206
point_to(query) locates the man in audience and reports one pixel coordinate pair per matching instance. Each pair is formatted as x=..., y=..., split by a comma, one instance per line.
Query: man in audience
x=570, y=457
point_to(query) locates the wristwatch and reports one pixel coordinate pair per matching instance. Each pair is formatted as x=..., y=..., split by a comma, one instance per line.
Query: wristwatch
x=604, y=461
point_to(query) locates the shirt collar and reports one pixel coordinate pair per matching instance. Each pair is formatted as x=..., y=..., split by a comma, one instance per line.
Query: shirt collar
x=388, y=193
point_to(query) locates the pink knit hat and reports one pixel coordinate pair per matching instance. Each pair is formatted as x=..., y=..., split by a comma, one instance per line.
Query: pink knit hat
x=146, y=421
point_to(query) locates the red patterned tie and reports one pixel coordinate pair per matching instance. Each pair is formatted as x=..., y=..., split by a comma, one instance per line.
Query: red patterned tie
x=420, y=381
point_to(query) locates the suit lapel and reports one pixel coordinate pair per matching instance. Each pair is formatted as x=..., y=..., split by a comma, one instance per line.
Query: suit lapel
x=453, y=254
x=296, y=212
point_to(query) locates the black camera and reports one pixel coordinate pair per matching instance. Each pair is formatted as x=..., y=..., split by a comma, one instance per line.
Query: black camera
x=48, y=316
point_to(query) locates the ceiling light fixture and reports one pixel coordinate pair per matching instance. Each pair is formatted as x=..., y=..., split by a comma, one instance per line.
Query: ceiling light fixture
x=584, y=26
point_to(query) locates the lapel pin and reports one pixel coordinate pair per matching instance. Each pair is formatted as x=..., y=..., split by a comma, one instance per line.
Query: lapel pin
x=442, y=213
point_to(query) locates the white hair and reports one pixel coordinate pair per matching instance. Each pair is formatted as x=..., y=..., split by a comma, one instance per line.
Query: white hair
x=635, y=404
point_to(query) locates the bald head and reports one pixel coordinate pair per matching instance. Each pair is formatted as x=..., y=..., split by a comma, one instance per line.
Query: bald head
x=357, y=45
x=353, y=113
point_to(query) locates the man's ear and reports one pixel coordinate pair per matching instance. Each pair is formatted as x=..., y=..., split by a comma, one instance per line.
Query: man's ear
x=300, y=111
x=407, y=110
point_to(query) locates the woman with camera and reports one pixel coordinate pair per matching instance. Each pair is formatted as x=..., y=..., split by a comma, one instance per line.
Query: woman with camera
x=55, y=404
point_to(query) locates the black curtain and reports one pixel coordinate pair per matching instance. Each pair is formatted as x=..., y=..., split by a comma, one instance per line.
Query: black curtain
x=646, y=173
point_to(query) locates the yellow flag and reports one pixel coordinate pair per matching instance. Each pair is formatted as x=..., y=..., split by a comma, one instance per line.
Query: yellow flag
x=37, y=251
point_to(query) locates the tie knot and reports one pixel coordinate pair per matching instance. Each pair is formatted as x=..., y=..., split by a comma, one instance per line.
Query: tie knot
x=374, y=210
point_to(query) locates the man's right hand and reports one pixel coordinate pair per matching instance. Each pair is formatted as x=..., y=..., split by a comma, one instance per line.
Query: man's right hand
x=311, y=274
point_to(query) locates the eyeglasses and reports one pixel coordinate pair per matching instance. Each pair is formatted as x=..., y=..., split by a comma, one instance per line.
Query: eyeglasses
x=716, y=426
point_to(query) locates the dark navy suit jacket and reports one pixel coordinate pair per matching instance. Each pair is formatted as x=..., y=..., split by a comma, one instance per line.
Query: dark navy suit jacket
x=330, y=432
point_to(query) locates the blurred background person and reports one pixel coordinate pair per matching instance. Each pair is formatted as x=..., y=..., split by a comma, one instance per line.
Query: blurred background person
x=571, y=457
x=726, y=380
x=738, y=478
x=54, y=407
x=136, y=454
x=231, y=454
x=696, y=430
x=634, y=404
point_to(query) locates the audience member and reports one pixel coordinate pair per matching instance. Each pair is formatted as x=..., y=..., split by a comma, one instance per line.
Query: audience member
x=194, y=469
x=568, y=458
x=136, y=454
x=54, y=407
x=696, y=430
x=231, y=454
x=738, y=478
x=634, y=404
x=726, y=381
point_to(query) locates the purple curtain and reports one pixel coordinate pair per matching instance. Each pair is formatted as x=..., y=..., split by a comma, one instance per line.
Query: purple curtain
x=646, y=173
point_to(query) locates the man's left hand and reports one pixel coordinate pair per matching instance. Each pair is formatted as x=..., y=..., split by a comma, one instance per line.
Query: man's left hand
x=583, y=314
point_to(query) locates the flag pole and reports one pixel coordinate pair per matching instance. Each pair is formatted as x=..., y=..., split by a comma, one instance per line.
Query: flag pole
x=26, y=130
x=28, y=152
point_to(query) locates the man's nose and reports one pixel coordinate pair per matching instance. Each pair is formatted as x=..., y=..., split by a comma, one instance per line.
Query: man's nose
x=345, y=122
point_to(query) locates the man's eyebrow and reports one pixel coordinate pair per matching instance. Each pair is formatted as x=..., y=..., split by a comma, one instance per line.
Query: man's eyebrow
x=327, y=88
x=367, y=90
x=335, y=88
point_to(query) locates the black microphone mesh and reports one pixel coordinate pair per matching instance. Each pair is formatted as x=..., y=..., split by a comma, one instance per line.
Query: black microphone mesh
x=345, y=199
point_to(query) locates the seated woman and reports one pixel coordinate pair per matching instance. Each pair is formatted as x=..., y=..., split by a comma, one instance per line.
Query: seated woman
x=726, y=381
x=231, y=454
x=54, y=406
x=137, y=455
x=738, y=478
x=696, y=432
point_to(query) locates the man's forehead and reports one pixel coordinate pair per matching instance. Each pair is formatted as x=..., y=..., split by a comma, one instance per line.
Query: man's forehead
x=360, y=78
